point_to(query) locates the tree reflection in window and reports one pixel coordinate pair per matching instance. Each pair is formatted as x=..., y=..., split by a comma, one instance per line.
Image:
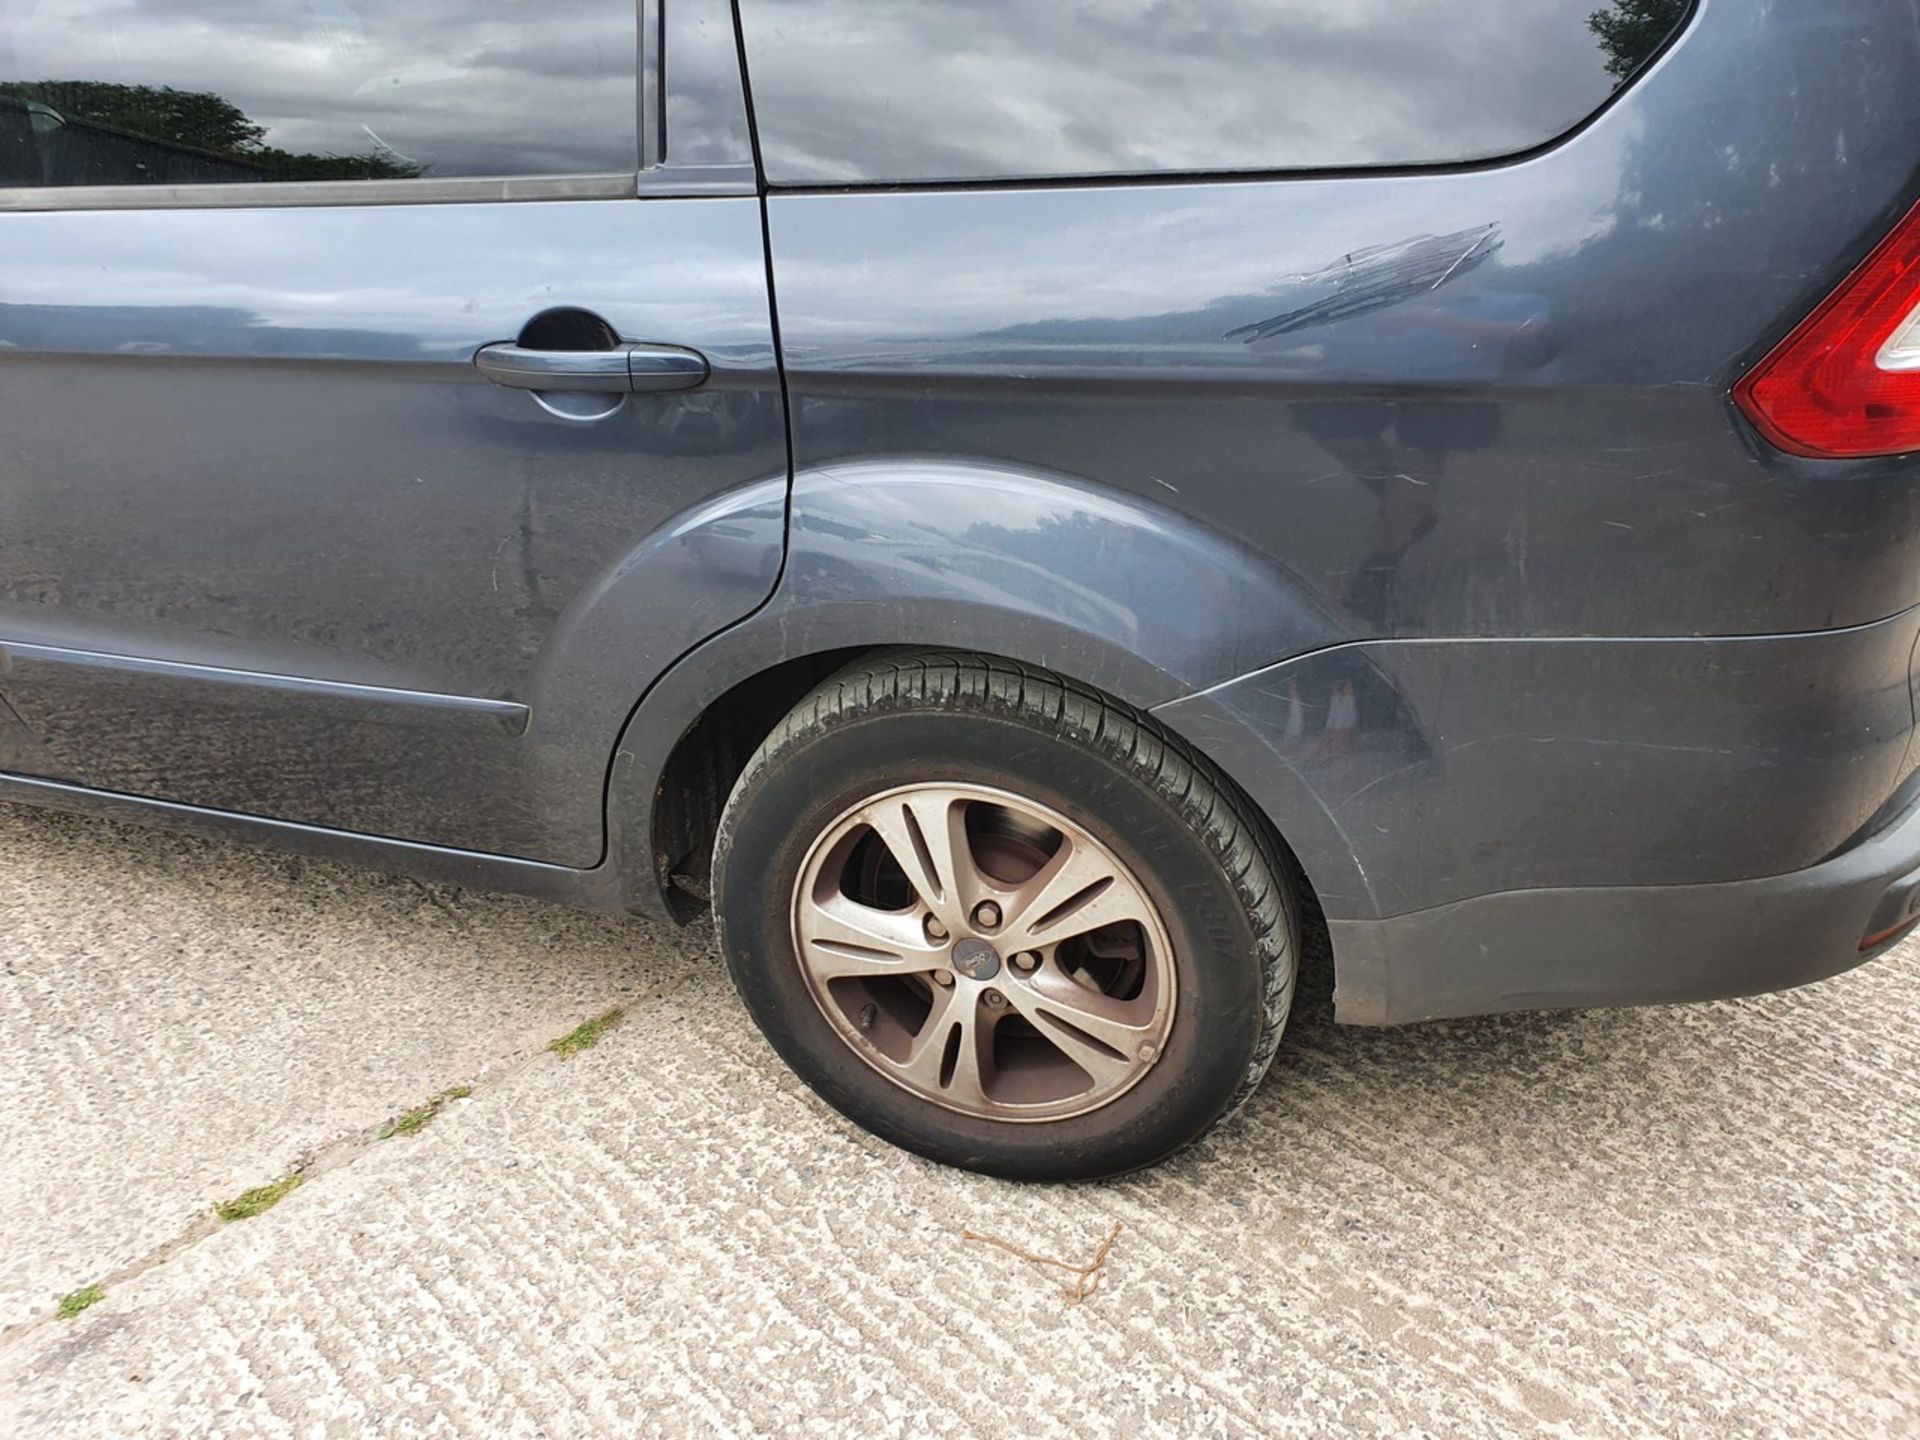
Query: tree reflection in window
x=1630, y=31
x=86, y=132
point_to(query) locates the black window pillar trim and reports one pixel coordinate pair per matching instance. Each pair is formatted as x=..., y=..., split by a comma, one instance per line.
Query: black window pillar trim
x=652, y=129
x=659, y=177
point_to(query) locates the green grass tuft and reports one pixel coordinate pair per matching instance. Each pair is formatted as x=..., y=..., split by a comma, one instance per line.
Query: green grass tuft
x=72, y=1305
x=258, y=1200
x=586, y=1036
x=415, y=1120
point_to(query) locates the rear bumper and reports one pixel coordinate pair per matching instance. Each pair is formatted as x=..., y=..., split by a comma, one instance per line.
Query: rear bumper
x=1512, y=824
x=1631, y=945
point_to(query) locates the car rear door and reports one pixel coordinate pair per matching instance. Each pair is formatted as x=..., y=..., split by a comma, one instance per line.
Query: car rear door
x=383, y=406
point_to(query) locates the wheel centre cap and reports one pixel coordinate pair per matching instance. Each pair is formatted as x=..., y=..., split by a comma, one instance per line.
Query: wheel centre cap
x=976, y=959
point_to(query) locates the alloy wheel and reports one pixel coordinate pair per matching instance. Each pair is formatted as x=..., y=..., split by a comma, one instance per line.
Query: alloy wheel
x=984, y=952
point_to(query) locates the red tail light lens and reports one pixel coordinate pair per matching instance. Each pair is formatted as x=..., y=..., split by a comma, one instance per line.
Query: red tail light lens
x=1847, y=382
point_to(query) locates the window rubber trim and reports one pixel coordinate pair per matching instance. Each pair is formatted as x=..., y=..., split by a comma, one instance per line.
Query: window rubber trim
x=482, y=189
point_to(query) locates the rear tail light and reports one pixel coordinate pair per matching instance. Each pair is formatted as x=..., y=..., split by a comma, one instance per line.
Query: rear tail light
x=1847, y=381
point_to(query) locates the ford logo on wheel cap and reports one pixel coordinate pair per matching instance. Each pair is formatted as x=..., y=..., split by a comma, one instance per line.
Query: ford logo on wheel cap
x=976, y=959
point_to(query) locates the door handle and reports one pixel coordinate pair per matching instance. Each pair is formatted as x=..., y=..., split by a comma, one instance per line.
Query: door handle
x=624, y=369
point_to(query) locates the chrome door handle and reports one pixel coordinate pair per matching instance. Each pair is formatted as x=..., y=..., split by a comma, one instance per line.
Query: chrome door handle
x=625, y=368
x=665, y=367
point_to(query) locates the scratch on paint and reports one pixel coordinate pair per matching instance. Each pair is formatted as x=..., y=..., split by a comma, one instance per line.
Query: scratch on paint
x=1376, y=277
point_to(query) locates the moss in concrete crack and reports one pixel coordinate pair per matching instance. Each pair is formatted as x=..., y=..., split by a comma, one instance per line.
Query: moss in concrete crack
x=415, y=1120
x=586, y=1036
x=257, y=1200
x=72, y=1305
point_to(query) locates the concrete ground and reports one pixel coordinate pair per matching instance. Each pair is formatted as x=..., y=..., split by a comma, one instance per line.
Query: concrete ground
x=1698, y=1222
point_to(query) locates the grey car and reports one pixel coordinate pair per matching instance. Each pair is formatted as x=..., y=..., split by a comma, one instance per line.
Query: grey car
x=1026, y=512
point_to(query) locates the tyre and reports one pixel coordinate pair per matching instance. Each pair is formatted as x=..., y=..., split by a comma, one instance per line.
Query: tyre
x=1003, y=921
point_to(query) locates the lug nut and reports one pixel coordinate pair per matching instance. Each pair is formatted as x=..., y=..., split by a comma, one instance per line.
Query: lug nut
x=1147, y=1052
x=986, y=914
x=943, y=977
x=935, y=930
x=995, y=1000
x=1027, y=960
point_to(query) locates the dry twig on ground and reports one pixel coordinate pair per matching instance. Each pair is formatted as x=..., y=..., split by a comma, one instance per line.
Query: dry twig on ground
x=1086, y=1278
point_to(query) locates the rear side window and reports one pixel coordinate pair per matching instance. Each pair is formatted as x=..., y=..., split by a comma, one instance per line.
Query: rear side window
x=876, y=91
x=199, y=92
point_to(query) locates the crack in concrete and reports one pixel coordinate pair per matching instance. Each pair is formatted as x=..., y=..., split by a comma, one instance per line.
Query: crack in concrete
x=335, y=1154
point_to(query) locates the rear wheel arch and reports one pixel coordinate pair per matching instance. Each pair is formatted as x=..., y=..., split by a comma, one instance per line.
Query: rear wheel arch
x=688, y=738
x=1131, y=599
x=671, y=823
